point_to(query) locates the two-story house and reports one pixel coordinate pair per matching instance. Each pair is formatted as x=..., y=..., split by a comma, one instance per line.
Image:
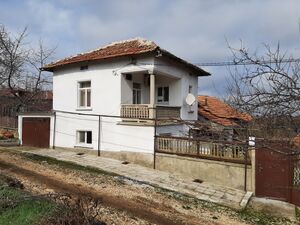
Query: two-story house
x=130, y=83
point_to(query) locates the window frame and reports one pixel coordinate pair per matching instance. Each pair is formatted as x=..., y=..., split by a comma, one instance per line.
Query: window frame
x=190, y=89
x=163, y=95
x=84, y=144
x=85, y=89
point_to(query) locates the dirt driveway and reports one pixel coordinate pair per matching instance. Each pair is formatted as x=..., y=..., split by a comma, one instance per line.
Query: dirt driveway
x=123, y=201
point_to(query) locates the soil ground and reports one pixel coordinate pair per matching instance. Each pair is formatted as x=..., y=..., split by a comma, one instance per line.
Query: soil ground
x=122, y=201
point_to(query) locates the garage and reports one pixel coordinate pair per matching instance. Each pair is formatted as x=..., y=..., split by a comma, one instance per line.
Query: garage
x=36, y=131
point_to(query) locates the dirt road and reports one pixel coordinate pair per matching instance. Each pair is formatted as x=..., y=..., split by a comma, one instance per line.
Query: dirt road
x=123, y=201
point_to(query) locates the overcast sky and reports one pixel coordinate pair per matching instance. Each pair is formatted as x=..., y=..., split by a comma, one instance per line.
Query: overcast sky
x=195, y=30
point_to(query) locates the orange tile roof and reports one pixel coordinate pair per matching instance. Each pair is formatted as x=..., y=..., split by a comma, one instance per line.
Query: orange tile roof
x=219, y=112
x=296, y=141
x=129, y=47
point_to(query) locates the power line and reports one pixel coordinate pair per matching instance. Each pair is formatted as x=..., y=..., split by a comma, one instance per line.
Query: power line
x=243, y=63
x=230, y=63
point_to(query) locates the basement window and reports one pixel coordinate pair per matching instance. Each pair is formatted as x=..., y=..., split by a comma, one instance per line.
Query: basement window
x=84, y=137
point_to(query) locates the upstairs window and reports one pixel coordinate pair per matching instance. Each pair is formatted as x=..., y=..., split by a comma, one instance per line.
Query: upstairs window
x=84, y=94
x=163, y=95
x=190, y=89
x=85, y=67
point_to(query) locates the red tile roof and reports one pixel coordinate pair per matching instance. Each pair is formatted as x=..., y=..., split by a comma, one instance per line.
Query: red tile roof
x=7, y=92
x=130, y=47
x=219, y=112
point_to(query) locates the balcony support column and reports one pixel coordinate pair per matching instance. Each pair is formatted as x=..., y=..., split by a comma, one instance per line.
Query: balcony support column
x=152, y=105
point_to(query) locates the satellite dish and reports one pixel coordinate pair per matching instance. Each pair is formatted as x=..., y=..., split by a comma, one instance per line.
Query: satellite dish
x=190, y=99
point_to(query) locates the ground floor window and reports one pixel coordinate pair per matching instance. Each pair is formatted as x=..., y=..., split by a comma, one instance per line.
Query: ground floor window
x=84, y=137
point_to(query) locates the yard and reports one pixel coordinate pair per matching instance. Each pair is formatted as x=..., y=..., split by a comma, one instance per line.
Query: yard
x=104, y=197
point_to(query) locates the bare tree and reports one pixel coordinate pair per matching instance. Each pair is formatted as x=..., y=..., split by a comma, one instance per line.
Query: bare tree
x=267, y=85
x=20, y=66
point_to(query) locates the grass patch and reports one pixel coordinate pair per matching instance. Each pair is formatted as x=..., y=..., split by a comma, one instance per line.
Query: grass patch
x=297, y=213
x=67, y=165
x=20, y=208
x=27, y=212
x=261, y=218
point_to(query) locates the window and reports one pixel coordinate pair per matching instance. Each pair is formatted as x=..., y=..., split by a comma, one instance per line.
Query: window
x=163, y=94
x=84, y=94
x=84, y=137
x=136, y=93
x=85, y=67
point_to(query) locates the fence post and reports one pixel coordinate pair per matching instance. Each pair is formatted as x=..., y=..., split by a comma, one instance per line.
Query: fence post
x=99, y=134
x=155, y=143
x=54, y=131
x=198, y=147
x=246, y=161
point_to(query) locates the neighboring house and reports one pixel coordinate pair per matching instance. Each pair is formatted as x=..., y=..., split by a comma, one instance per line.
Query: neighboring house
x=135, y=80
x=10, y=105
x=220, y=117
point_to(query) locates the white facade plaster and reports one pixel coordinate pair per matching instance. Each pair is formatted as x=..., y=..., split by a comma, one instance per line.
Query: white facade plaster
x=110, y=89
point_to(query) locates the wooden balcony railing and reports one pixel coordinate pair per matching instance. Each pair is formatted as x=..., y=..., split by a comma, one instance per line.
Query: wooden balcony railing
x=202, y=148
x=140, y=111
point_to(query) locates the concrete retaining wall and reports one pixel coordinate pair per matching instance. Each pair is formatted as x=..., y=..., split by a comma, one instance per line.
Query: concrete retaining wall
x=143, y=159
x=222, y=173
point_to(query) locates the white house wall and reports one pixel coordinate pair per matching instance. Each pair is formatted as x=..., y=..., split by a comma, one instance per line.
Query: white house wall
x=174, y=89
x=106, y=97
x=127, y=85
x=105, y=84
x=126, y=138
x=169, y=68
x=68, y=124
x=126, y=90
x=113, y=137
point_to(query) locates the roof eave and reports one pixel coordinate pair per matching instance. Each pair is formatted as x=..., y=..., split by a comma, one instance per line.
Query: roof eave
x=51, y=68
x=198, y=71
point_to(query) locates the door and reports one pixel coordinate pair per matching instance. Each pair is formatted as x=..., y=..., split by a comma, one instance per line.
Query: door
x=36, y=132
x=273, y=174
x=136, y=93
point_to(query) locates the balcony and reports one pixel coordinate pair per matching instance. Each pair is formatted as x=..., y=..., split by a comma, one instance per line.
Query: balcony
x=142, y=112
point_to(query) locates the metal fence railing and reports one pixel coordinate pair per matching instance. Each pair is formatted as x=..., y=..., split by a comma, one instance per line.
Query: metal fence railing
x=297, y=174
x=221, y=150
